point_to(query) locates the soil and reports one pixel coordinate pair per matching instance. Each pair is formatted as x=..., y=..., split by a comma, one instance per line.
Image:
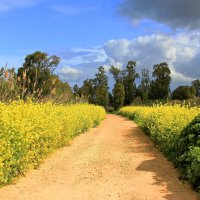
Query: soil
x=113, y=161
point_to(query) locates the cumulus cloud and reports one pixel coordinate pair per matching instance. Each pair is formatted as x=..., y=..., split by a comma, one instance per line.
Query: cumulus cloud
x=7, y=5
x=173, y=13
x=182, y=52
x=68, y=73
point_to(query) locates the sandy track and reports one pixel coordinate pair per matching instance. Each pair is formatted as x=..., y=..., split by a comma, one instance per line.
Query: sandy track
x=114, y=161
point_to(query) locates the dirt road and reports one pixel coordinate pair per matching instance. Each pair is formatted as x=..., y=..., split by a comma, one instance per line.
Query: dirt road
x=114, y=161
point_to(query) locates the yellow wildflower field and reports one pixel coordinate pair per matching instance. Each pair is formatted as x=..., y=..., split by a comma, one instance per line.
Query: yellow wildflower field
x=30, y=131
x=163, y=123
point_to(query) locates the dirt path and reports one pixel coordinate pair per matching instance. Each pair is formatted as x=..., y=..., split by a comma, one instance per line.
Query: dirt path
x=113, y=161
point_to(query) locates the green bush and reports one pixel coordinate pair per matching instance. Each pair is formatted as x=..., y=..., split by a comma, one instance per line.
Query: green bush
x=188, y=153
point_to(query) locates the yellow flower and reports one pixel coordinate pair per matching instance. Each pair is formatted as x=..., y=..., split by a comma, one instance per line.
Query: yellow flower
x=30, y=131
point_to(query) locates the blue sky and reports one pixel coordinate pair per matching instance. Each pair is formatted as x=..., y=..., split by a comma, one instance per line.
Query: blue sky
x=52, y=25
x=87, y=34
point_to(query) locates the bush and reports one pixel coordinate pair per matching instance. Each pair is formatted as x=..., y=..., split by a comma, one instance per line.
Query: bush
x=188, y=152
x=30, y=131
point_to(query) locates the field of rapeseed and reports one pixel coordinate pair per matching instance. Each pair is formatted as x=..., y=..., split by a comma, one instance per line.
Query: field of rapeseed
x=30, y=131
x=175, y=131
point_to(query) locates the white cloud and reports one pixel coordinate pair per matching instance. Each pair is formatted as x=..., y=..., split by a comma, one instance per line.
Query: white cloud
x=68, y=73
x=7, y=5
x=117, y=49
x=178, y=77
x=146, y=49
x=180, y=51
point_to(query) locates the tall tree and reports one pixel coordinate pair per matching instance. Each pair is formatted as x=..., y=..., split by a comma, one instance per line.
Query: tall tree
x=129, y=77
x=87, y=90
x=144, y=87
x=118, y=89
x=101, y=87
x=196, y=84
x=35, y=75
x=160, y=86
x=118, y=95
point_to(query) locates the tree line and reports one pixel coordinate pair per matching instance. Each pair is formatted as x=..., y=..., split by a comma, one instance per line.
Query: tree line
x=37, y=79
x=125, y=91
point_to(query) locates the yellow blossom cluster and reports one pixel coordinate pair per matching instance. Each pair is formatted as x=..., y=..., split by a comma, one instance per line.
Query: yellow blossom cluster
x=30, y=131
x=163, y=123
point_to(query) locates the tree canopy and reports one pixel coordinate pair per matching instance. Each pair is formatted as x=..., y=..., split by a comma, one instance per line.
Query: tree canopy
x=184, y=93
x=160, y=86
x=36, y=75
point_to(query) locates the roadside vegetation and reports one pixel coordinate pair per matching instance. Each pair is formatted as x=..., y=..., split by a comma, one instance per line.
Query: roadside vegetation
x=30, y=131
x=175, y=130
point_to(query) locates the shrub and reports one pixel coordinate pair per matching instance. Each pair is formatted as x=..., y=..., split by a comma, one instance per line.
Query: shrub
x=188, y=152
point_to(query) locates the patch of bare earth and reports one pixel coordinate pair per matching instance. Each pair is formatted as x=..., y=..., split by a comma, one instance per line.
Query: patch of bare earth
x=114, y=161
